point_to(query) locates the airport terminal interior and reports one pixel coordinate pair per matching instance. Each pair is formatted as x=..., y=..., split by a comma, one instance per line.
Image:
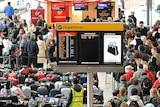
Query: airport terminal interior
x=79, y=53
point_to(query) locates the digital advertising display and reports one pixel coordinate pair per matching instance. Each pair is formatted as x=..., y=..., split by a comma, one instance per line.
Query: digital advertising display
x=112, y=48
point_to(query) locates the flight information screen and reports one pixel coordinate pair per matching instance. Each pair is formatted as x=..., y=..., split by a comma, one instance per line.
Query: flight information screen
x=67, y=53
x=89, y=44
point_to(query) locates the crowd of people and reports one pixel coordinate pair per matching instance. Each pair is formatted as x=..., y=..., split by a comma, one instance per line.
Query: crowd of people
x=138, y=85
x=33, y=46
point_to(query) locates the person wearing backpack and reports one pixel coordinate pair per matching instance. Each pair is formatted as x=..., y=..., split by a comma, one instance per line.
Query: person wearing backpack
x=135, y=100
x=145, y=83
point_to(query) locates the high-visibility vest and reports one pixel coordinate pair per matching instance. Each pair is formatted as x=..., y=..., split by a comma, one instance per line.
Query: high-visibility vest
x=77, y=98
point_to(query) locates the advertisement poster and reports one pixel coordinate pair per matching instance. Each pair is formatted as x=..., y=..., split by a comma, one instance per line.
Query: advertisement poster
x=112, y=48
x=60, y=13
x=35, y=13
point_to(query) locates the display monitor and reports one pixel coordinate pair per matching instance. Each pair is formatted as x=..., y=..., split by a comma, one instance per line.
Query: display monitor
x=104, y=5
x=67, y=47
x=81, y=6
x=89, y=45
x=58, y=7
x=112, y=48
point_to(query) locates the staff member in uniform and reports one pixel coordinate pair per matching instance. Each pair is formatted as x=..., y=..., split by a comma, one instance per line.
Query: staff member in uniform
x=77, y=95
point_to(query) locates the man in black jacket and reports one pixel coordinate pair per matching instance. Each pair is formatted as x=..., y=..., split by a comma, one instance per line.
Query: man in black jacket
x=32, y=49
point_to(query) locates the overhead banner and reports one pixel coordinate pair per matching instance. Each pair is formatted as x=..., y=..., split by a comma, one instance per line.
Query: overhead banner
x=35, y=13
x=59, y=13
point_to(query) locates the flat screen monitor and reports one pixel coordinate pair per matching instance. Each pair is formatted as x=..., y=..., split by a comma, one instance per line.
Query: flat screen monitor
x=58, y=7
x=102, y=6
x=112, y=48
x=80, y=6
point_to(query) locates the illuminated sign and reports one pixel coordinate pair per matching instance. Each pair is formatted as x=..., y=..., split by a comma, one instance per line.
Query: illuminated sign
x=89, y=26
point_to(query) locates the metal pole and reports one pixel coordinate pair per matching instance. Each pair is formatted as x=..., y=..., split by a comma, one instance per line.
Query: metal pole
x=89, y=89
x=149, y=13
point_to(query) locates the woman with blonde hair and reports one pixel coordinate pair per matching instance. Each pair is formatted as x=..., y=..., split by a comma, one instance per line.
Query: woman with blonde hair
x=148, y=46
x=153, y=94
x=124, y=104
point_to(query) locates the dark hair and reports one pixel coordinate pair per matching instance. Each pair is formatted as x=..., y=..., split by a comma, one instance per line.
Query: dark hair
x=141, y=66
x=137, y=55
x=40, y=37
x=138, y=34
x=141, y=48
x=135, y=82
x=134, y=91
x=141, y=22
x=75, y=81
x=9, y=3
x=115, y=92
x=131, y=46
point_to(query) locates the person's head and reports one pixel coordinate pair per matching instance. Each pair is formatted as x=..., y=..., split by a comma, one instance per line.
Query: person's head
x=153, y=92
x=131, y=47
x=128, y=33
x=141, y=48
x=128, y=68
x=9, y=3
x=33, y=36
x=116, y=93
x=124, y=104
x=140, y=66
x=143, y=38
x=87, y=16
x=149, y=33
x=154, y=50
x=21, y=31
x=158, y=74
x=153, y=59
x=141, y=24
x=149, y=43
x=75, y=81
x=122, y=91
x=109, y=19
x=39, y=37
x=134, y=91
x=138, y=34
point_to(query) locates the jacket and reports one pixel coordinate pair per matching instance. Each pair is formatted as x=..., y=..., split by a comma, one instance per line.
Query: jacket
x=8, y=10
x=76, y=96
x=32, y=48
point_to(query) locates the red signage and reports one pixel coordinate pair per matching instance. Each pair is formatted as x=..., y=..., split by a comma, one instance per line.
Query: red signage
x=35, y=13
x=60, y=15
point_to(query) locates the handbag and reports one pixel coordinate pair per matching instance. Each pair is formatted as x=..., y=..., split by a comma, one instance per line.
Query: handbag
x=112, y=48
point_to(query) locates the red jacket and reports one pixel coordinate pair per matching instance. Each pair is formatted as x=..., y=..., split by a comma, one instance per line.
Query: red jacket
x=128, y=75
x=150, y=75
x=156, y=83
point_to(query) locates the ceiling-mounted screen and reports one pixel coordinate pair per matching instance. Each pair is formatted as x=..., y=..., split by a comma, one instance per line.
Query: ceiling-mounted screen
x=81, y=6
x=104, y=5
x=58, y=6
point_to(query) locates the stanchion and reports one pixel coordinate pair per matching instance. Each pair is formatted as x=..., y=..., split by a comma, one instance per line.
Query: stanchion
x=89, y=89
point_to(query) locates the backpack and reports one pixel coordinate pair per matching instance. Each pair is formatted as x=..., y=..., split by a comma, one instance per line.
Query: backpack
x=146, y=85
x=133, y=104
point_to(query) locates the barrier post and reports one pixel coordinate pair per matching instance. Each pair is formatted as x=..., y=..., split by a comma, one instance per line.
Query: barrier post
x=89, y=89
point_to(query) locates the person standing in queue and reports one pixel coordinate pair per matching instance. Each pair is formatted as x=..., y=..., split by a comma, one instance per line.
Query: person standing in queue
x=76, y=95
x=9, y=10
